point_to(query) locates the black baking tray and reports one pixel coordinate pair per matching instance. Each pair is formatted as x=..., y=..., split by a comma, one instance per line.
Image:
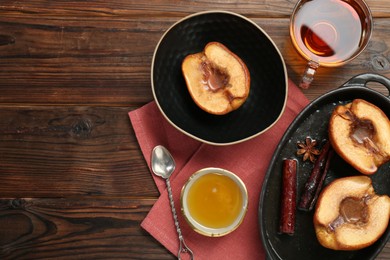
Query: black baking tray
x=313, y=122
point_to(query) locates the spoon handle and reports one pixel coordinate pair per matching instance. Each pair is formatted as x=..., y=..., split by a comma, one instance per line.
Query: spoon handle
x=183, y=246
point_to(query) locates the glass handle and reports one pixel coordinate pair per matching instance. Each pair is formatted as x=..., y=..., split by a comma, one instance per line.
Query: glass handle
x=308, y=75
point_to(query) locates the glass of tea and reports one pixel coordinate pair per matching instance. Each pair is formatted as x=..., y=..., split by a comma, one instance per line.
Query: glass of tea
x=329, y=32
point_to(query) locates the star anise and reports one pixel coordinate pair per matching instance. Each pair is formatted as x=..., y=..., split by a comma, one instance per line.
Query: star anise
x=308, y=149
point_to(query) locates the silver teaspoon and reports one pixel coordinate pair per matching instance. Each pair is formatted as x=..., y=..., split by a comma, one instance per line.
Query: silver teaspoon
x=163, y=165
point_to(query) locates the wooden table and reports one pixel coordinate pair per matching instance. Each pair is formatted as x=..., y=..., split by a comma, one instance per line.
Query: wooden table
x=73, y=182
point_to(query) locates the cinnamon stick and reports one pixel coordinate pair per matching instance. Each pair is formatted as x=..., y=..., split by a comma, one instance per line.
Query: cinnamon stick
x=288, y=201
x=313, y=181
x=322, y=179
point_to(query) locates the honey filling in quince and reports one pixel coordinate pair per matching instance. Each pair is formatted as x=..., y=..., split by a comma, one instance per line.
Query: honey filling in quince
x=362, y=132
x=352, y=210
x=214, y=78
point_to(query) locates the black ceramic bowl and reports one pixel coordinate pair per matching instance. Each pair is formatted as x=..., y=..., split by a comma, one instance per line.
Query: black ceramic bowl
x=268, y=90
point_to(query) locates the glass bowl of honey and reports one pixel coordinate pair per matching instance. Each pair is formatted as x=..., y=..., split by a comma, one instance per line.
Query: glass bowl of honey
x=214, y=201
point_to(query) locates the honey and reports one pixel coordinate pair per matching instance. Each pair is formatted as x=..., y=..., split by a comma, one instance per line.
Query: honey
x=214, y=200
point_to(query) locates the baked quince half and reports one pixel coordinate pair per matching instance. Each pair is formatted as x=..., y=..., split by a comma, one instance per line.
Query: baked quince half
x=217, y=79
x=349, y=215
x=360, y=133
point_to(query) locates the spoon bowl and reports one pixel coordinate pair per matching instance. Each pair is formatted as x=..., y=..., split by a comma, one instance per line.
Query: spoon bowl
x=163, y=164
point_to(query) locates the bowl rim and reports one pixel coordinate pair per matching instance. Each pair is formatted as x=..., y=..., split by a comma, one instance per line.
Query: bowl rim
x=263, y=32
x=207, y=231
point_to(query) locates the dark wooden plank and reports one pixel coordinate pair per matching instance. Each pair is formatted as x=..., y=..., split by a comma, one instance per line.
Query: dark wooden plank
x=80, y=229
x=385, y=254
x=155, y=8
x=75, y=65
x=76, y=229
x=68, y=151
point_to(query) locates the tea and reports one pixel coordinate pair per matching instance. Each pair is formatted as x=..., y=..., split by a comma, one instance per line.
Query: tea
x=215, y=200
x=330, y=32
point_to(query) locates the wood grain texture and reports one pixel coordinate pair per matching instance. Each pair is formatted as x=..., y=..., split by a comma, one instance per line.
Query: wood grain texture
x=76, y=229
x=68, y=151
x=73, y=181
x=73, y=64
x=80, y=229
x=166, y=8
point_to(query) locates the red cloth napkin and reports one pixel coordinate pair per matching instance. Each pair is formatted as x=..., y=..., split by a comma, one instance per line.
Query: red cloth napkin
x=249, y=160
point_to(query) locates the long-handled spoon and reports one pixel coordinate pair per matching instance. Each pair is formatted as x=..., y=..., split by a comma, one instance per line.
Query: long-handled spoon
x=163, y=165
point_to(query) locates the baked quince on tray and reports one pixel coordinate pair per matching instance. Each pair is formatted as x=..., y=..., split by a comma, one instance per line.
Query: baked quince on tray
x=217, y=79
x=349, y=215
x=360, y=133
